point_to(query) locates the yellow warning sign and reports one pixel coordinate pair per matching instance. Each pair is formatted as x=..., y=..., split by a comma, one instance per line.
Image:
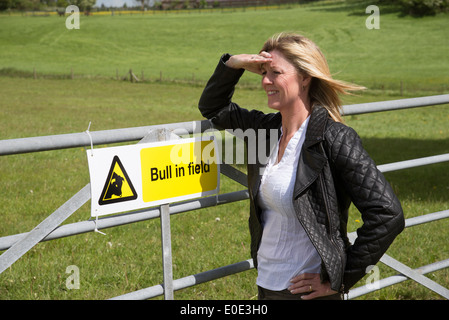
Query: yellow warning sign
x=118, y=187
x=126, y=178
x=178, y=170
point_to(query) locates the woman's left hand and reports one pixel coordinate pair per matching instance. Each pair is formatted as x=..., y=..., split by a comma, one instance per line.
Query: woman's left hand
x=250, y=62
x=311, y=286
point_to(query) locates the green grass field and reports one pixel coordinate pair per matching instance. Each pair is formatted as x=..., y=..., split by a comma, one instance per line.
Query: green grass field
x=187, y=45
x=183, y=46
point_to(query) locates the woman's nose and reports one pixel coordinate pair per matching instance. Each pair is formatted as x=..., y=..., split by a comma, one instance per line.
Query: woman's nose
x=266, y=79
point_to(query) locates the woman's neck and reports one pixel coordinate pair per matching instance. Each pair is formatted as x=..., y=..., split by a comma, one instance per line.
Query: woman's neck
x=293, y=118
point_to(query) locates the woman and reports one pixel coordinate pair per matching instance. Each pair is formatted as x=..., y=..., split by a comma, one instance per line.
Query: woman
x=299, y=198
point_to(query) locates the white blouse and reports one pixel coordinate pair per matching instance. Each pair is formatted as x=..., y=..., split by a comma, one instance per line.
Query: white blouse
x=285, y=250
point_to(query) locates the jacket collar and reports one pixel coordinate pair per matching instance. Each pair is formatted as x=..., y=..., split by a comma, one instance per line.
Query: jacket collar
x=311, y=162
x=316, y=127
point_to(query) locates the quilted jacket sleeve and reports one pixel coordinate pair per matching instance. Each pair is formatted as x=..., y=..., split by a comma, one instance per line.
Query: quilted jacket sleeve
x=373, y=196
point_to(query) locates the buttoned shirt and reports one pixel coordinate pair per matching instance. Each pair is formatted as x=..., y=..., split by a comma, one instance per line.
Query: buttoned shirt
x=285, y=250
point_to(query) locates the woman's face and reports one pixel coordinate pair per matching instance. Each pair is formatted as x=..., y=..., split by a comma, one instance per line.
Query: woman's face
x=281, y=82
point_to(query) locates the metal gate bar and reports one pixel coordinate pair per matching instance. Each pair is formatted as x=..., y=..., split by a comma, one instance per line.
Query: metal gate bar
x=390, y=105
x=386, y=282
x=410, y=273
x=127, y=218
x=81, y=139
x=189, y=281
x=44, y=228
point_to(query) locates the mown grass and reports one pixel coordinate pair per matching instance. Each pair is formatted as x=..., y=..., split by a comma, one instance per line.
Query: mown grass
x=187, y=45
x=129, y=257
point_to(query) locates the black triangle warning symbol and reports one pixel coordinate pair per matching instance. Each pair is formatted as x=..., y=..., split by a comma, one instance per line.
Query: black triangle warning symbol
x=118, y=187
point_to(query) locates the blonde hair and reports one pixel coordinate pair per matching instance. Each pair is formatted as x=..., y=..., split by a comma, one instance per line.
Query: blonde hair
x=308, y=59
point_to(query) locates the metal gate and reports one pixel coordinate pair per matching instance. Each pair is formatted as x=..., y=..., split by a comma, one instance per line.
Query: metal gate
x=17, y=245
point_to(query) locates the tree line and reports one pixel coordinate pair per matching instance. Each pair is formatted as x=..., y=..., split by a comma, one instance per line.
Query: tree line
x=39, y=5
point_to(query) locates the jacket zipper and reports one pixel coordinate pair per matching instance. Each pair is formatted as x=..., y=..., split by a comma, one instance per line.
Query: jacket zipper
x=331, y=233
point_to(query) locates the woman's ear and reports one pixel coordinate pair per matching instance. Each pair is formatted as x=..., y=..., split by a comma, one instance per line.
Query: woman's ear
x=306, y=79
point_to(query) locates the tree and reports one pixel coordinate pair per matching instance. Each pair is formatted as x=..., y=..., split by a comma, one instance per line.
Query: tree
x=20, y=4
x=424, y=7
x=5, y=4
x=142, y=3
x=83, y=5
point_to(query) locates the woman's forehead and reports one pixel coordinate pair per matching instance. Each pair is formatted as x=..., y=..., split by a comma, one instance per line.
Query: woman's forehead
x=278, y=60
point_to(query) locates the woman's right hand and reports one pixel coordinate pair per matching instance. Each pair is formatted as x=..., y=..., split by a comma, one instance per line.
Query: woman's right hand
x=249, y=62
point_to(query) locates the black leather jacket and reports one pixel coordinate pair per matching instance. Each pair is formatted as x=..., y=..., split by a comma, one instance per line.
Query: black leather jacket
x=333, y=170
